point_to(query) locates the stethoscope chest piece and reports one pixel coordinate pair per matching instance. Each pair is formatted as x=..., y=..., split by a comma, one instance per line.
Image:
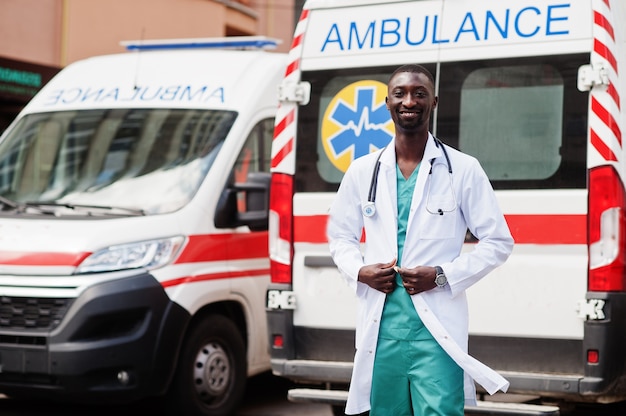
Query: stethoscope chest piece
x=369, y=209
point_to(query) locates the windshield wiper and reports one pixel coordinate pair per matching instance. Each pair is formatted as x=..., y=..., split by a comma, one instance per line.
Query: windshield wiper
x=91, y=209
x=9, y=203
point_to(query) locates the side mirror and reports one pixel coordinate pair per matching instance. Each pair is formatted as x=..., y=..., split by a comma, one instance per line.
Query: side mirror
x=252, y=210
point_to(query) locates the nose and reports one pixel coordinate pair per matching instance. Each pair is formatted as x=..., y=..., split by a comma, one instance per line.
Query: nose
x=409, y=100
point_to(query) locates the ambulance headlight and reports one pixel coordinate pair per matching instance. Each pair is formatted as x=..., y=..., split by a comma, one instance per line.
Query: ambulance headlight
x=150, y=254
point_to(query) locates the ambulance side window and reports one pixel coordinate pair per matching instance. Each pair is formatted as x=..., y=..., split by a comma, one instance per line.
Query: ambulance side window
x=523, y=119
x=254, y=156
x=525, y=106
x=256, y=151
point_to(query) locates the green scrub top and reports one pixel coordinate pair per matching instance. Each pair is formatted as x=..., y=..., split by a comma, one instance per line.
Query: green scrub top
x=407, y=352
x=400, y=320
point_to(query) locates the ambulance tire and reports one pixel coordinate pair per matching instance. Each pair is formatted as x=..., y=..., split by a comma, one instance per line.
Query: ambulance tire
x=210, y=379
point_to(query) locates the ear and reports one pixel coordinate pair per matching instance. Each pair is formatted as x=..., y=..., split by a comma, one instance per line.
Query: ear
x=387, y=102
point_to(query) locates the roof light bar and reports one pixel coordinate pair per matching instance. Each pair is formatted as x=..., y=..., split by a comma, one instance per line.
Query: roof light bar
x=231, y=42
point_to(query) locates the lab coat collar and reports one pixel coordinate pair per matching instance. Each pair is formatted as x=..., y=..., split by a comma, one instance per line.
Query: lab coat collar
x=432, y=151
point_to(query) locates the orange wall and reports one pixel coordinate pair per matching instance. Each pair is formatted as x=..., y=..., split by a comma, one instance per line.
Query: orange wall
x=30, y=30
x=58, y=32
x=276, y=20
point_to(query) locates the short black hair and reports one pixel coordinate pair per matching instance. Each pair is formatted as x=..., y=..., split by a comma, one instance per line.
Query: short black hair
x=416, y=69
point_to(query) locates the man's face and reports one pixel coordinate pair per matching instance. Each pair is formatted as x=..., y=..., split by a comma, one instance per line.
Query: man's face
x=410, y=100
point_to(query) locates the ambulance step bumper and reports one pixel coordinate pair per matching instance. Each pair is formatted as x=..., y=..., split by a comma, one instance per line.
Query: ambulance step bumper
x=331, y=397
x=483, y=408
x=521, y=409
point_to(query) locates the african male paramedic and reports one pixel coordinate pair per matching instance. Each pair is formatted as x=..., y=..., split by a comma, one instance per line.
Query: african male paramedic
x=415, y=201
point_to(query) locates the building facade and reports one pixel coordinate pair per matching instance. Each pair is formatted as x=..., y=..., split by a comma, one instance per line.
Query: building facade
x=39, y=37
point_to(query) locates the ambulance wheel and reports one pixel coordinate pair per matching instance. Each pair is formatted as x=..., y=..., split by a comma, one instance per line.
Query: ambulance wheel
x=211, y=375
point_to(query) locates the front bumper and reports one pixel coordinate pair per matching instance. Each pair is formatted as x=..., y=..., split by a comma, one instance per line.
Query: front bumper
x=117, y=341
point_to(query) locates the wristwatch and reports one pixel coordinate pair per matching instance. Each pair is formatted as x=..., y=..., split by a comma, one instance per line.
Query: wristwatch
x=440, y=279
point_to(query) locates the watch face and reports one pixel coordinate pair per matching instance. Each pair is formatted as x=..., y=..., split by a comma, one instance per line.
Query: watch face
x=441, y=280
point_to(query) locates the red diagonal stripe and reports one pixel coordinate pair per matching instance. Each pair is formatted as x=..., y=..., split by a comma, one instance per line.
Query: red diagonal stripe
x=282, y=124
x=606, y=118
x=287, y=148
x=612, y=91
x=297, y=40
x=602, y=21
x=292, y=67
x=304, y=14
x=601, y=147
x=602, y=50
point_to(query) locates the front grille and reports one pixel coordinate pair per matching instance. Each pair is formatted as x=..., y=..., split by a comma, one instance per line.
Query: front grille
x=32, y=313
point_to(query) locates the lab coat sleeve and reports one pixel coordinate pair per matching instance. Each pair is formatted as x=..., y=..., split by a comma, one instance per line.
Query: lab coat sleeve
x=344, y=229
x=486, y=222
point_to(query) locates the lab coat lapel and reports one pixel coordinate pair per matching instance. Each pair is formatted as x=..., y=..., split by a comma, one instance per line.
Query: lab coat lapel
x=387, y=199
x=419, y=193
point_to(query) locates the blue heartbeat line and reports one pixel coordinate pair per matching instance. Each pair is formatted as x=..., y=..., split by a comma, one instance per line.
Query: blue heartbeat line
x=363, y=126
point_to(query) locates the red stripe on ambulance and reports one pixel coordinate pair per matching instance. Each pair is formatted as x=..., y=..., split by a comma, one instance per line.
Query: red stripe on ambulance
x=525, y=228
x=22, y=258
x=214, y=276
x=217, y=247
x=200, y=248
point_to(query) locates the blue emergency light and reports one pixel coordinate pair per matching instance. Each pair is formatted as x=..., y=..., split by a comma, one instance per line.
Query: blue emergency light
x=231, y=42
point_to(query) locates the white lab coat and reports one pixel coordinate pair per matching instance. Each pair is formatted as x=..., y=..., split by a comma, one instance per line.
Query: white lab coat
x=431, y=240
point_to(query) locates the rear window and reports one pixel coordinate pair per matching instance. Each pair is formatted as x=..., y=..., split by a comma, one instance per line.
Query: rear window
x=523, y=119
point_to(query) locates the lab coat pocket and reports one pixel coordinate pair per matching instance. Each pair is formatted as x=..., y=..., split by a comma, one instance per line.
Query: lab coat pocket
x=438, y=221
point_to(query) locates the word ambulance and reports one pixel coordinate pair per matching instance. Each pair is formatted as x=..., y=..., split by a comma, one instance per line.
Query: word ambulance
x=133, y=242
x=521, y=22
x=534, y=90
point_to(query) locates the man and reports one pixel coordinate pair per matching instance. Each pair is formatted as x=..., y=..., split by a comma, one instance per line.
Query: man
x=415, y=200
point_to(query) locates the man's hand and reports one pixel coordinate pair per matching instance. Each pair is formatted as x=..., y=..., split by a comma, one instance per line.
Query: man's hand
x=418, y=279
x=381, y=276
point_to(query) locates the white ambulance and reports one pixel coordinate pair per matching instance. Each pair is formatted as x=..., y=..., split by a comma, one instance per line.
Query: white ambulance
x=133, y=226
x=535, y=90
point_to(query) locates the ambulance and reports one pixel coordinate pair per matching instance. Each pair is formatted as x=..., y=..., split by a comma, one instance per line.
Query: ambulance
x=535, y=90
x=133, y=226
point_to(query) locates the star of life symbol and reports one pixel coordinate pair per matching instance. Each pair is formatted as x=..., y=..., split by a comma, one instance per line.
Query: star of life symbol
x=356, y=122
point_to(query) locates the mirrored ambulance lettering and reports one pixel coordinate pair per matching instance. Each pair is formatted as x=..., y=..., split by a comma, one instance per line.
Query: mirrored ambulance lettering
x=182, y=93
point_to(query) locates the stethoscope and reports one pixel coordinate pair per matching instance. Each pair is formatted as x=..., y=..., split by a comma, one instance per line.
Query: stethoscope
x=369, y=209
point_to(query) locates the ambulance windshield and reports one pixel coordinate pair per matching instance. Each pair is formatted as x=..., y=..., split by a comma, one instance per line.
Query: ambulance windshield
x=152, y=160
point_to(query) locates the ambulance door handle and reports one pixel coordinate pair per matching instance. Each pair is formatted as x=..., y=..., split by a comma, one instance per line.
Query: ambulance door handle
x=319, y=261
